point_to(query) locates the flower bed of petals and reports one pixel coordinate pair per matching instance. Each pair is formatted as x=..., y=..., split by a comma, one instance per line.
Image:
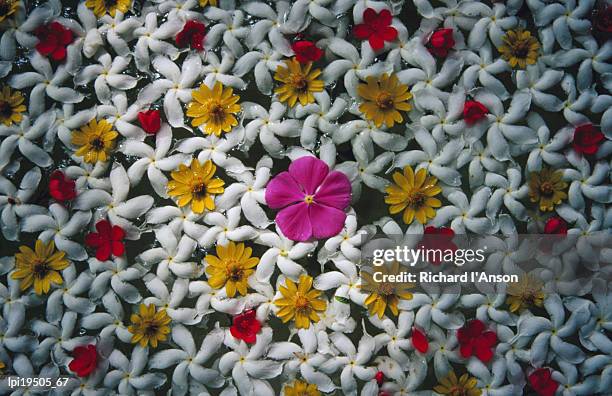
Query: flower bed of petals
x=186, y=187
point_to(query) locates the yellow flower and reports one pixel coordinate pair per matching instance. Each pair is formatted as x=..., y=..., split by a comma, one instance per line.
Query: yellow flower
x=300, y=302
x=525, y=293
x=11, y=106
x=231, y=268
x=413, y=194
x=195, y=185
x=150, y=327
x=464, y=386
x=298, y=84
x=546, y=187
x=39, y=267
x=204, y=3
x=214, y=108
x=8, y=8
x=383, y=97
x=95, y=141
x=520, y=48
x=102, y=7
x=384, y=294
x=301, y=388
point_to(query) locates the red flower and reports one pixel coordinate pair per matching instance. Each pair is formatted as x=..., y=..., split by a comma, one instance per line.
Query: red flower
x=438, y=238
x=245, y=326
x=85, y=360
x=53, y=38
x=376, y=28
x=541, y=381
x=603, y=19
x=587, y=139
x=107, y=240
x=150, y=121
x=474, y=339
x=380, y=377
x=473, y=112
x=61, y=188
x=192, y=35
x=555, y=225
x=441, y=41
x=419, y=340
x=306, y=51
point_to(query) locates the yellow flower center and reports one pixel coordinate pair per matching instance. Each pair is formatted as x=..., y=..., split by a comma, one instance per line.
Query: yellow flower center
x=547, y=188
x=150, y=328
x=234, y=271
x=199, y=189
x=301, y=303
x=97, y=143
x=415, y=199
x=384, y=101
x=5, y=109
x=110, y=3
x=299, y=82
x=309, y=199
x=40, y=269
x=217, y=113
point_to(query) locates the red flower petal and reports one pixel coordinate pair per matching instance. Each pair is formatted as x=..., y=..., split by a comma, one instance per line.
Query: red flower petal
x=419, y=340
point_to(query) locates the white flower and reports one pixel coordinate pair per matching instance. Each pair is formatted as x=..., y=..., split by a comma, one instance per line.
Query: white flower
x=463, y=214
x=483, y=69
x=508, y=191
x=562, y=18
x=216, y=149
x=283, y=253
x=434, y=306
x=114, y=28
x=107, y=74
x=395, y=337
x=151, y=38
x=114, y=276
x=272, y=24
x=493, y=24
x=228, y=27
x=346, y=282
x=547, y=147
x=129, y=376
x=585, y=183
x=262, y=61
x=120, y=116
x=14, y=202
x=226, y=228
x=534, y=81
x=68, y=295
x=109, y=323
x=171, y=301
x=220, y=70
x=22, y=136
x=174, y=255
x=268, y=125
x=320, y=116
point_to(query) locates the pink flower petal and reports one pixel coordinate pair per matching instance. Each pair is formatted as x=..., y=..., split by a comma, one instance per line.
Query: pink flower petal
x=335, y=191
x=294, y=222
x=283, y=190
x=326, y=221
x=309, y=172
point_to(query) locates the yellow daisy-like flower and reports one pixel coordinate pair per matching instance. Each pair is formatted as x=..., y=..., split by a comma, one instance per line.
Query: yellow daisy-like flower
x=300, y=302
x=39, y=267
x=414, y=194
x=204, y=3
x=11, y=106
x=95, y=141
x=195, y=184
x=301, y=388
x=214, y=108
x=150, y=326
x=546, y=187
x=464, y=386
x=383, y=97
x=8, y=8
x=103, y=7
x=525, y=293
x=231, y=268
x=520, y=48
x=384, y=294
x=298, y=84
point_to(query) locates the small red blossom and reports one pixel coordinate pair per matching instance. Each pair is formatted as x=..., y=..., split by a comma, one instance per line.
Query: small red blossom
x=474, y=111
x=555, y=225
x=587, y=139
x=441, y=42
x=380, y=378
x=419, y=340
x=603, y=19
x=53, y=38
x=85, y=359
x=192, y=35
x=150, y=121
x=474, y=339
x=438, y=238
x=306, y=51
x=61, y=188
x=245, y=326
x=108, y=239
x=376, y=28
x=541, y=381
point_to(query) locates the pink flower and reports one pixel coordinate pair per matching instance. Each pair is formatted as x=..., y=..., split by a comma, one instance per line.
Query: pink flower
x=311, y=198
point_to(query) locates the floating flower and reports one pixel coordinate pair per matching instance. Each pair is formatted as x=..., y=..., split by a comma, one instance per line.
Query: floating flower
x=192, y=35
x=53, y=39
x=214, y=108
x=419, y=340
x=587, y=139
x=84, y=360
x=441, y=42
x=311, y=198
x=11, y=106
x=195, y=185
x=376, y=28
x=414, y=195
x=301, y=388
x=306, y=51
x=103, y=7
x=475, y=340
x=383, y=96
x=94, y=141
x=150, y=121
x=546, y=188
x=39, y=267
x=108, y=239
x=149, y=326
x=542, y=382
x=298, y=83
x=231, y=268
x=474, y=111
x=555, y=225
x=245, y=326
x=384, y=294
x=453, y=386
x=438, y=238
x=300, y=302
x=61, y=188
x=527, y=292
x=380, y=378
x=520, y=48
